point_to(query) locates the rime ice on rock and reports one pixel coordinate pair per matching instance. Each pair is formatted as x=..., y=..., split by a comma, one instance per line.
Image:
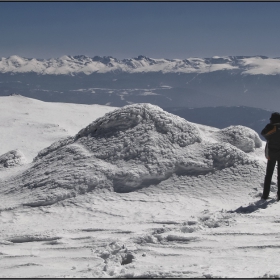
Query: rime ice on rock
x=146, y=117
x=244, y=138
x=136, y=130
x=128, y=149
x=53, y=147
x=12, y=158
x=224, y=155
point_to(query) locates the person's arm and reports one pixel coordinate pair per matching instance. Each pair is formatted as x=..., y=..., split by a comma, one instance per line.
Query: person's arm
x=268, y=131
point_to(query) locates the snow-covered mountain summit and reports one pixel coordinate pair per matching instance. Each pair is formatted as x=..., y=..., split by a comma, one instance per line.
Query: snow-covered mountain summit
x=68, y=65
x=137, y=147
x=128, y=196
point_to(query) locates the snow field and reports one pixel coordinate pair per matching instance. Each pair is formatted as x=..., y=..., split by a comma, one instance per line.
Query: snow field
x=105, y=237
x=139, y=193
x=30, y=125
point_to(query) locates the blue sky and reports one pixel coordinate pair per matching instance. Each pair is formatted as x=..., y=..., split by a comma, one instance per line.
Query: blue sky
x=129, y=29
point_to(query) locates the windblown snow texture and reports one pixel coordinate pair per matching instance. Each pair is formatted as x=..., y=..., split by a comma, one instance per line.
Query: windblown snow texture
x=133, y=148
x=241, y=137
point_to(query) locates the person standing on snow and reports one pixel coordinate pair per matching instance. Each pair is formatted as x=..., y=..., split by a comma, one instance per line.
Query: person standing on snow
x=272, y=152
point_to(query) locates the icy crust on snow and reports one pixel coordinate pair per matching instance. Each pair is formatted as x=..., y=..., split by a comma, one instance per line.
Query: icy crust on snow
x=12, y=158
x=132, y=132
x=140, y=124
x=224, y=155
x=244, y=138
x=128, y=149
x=54, y=147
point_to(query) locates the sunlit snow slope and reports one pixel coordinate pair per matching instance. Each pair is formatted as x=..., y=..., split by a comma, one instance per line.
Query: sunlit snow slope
x=136, y=192
x=30, y=125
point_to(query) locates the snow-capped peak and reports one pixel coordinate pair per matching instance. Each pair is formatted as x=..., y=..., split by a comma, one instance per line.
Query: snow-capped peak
x=67, y=64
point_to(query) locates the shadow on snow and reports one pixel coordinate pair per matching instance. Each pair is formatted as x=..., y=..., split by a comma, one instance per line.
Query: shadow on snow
x=260, y=204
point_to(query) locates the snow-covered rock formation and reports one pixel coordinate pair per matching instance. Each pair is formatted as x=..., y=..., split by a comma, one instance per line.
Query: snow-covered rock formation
x=69, y=65
x=132, y=148
x=12, y=159
x=242, y=137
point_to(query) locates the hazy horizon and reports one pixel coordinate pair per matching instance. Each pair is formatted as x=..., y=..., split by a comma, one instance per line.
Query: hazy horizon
x=128, y=29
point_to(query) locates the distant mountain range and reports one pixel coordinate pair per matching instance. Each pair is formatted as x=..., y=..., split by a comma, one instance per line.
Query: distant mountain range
x=252, y=81
x=70, y=65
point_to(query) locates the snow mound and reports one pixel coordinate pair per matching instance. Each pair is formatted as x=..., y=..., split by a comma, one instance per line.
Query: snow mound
x=12, y=158
x=224, y=155
x=244, y=138
x=128, y=149
x=135, y=131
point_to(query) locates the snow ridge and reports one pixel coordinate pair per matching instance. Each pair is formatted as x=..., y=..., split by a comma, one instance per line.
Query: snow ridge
x=70, y=65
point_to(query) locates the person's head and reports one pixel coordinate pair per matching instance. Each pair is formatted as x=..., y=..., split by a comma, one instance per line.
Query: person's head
x=275, y=117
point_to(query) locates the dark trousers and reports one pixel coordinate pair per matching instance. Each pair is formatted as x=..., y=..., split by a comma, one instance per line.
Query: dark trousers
x=267, y=180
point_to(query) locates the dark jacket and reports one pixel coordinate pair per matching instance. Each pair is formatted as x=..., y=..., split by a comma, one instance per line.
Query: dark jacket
x=272, y=134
